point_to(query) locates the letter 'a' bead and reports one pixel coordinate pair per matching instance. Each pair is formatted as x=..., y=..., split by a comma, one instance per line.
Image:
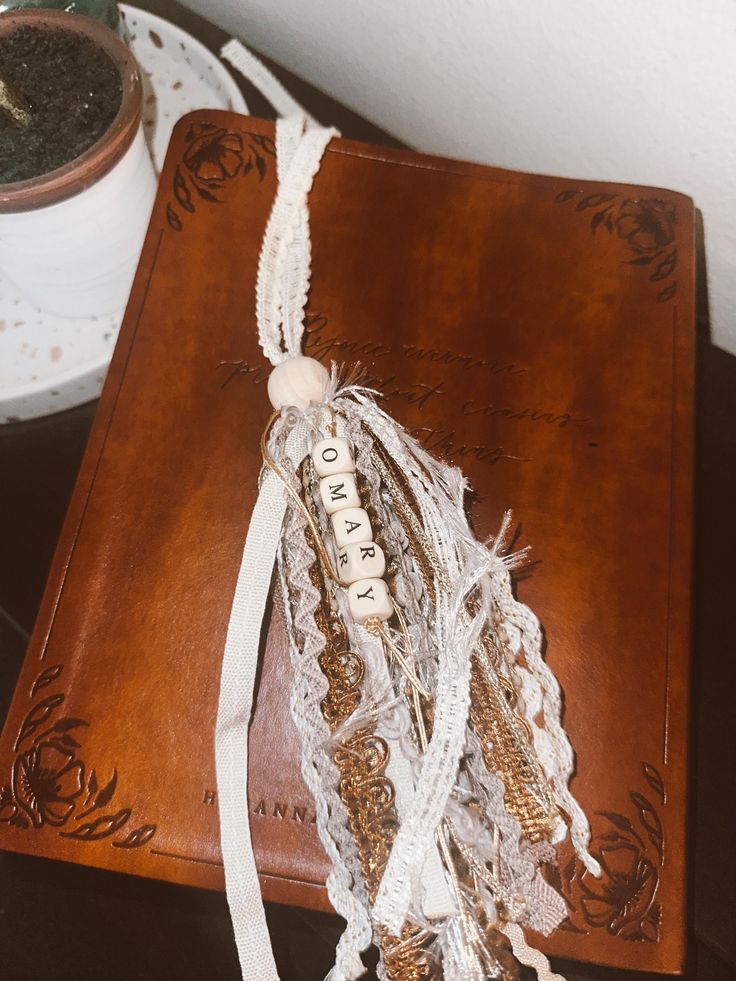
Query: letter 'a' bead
x=351, y=525
x=364, y=560
x=298, y=381
x=370, y=598
x=333, y=455
x=338, y=492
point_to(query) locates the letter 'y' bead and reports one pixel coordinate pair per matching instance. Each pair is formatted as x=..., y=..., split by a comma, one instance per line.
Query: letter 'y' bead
x=333, y=455
x=369, y=598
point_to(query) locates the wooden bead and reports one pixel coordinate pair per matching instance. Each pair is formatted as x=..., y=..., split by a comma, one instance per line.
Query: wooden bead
x=350, y=526
x=364, y=560
x=297, y=381
x=338, y=492
x=334, y=455
x=370, y=598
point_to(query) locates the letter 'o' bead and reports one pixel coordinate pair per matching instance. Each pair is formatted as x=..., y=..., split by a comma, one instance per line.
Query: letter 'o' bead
x=333, y=455
x=338, y=492
x=369, y=598
x=364, y=560
x=351, y=525
x=297, y=381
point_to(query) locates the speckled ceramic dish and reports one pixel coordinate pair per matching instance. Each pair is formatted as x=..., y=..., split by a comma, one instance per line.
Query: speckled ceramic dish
x=50, y=363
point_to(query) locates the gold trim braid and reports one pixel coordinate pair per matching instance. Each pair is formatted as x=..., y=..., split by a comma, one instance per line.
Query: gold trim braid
x=504, y=736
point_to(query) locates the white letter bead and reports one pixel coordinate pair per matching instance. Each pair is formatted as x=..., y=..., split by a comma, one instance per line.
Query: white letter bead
x=334, y=455
x=351, y=525
x=339, y=492
x=298, y=381
x=365, y=560
x=370, y=598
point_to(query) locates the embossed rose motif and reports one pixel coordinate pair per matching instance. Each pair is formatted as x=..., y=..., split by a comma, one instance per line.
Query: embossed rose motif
x=215, y=156
x=212, y=157
x=622, y=900
x=47, y=779
x=646, y=225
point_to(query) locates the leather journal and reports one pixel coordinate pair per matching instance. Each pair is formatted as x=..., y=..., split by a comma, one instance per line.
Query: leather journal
x=536, y=331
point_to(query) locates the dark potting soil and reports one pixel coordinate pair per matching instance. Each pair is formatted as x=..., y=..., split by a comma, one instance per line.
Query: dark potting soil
x=73, y=90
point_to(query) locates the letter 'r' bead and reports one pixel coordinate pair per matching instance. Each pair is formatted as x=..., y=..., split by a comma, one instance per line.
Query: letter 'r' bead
x=339, y=492
x=351, y=525
x=298, y=381
x=364, y=560
x=370, y=598
x=333, y=455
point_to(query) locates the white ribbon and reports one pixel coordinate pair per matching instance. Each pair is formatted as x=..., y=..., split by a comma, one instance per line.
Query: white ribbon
x=231, y=732
x=239, y=666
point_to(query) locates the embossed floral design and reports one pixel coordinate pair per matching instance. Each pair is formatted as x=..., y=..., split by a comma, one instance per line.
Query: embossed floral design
x=46, y=781
x=645, y=225
x=49, y=784
x=214, y=157
x=624, y=900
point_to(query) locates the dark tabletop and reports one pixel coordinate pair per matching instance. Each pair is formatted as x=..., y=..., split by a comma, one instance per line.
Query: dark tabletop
x=66, y=922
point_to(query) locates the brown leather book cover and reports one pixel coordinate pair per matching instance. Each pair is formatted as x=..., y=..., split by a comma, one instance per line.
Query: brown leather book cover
x=538, y=332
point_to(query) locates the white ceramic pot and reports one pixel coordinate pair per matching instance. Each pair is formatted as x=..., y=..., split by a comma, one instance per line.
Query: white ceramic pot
x=70, y=240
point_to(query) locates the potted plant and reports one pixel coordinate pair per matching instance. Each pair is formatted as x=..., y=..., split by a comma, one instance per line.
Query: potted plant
x=76, y=180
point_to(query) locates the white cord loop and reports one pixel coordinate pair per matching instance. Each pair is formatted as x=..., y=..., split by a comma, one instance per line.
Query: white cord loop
x=284, y=266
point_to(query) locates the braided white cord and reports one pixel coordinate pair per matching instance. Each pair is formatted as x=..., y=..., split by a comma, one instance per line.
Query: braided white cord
x=284, y=263
x=256, y=72
x=296, y=266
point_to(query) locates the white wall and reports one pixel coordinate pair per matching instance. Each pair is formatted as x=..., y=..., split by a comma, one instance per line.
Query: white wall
x=639, y=91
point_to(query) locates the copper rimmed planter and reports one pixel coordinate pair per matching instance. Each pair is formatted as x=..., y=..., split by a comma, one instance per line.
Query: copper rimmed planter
x=70, y=239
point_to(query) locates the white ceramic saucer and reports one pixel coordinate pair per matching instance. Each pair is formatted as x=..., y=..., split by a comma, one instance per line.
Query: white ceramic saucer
x=50, y=363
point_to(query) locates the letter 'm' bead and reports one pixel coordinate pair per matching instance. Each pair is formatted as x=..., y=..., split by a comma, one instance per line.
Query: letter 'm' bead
x=370, y=598
x=338, y=492
x=333, y=455
x=364, y=560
